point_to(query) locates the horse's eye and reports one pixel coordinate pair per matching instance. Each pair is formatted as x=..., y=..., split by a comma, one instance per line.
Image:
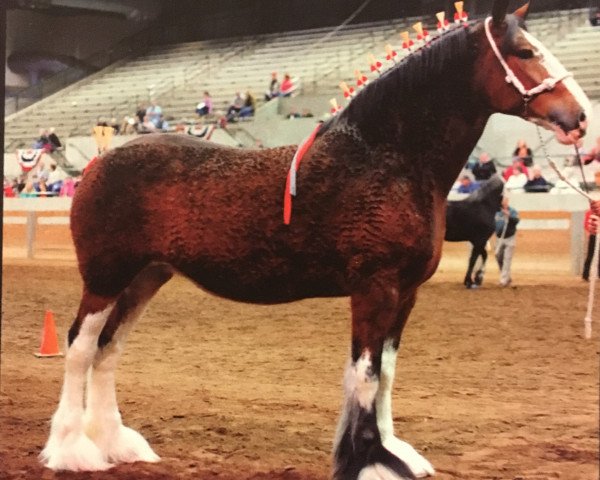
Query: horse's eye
x=525, y=53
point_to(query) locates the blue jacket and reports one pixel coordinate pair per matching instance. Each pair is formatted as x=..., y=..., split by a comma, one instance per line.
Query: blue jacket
x=511, y=228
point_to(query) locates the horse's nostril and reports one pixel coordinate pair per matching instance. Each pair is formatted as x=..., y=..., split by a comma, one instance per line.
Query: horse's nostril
x=582, y=117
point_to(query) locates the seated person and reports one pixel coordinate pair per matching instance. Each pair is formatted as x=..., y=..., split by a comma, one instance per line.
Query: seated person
x=235, y=107
x=467, y=185
x=287, y=86
x=43, y=142
x=54, y=182
x=537, y=183
x=273, y=90
x=249, y=106
x=524, y=153
x=484, y=168
x=153, y=112
x=147, y=126
x=205, y=106
x=517, y=180
x=517, y=162
x=54, y=140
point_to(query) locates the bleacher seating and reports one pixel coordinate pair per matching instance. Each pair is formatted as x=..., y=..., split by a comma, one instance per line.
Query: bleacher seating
x=178, y=74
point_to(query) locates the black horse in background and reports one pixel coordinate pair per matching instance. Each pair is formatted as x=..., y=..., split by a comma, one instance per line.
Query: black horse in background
x=472, y=219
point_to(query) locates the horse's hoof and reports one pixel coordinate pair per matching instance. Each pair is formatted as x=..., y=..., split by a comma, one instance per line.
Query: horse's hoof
x=130, y=446
x=76, y=454
x=417, y=463
x=377, y=471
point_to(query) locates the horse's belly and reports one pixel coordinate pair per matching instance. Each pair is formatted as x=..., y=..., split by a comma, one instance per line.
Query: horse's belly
x=245, y=283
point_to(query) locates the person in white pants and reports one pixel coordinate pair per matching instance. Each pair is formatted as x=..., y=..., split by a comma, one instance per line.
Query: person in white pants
x=507, y=219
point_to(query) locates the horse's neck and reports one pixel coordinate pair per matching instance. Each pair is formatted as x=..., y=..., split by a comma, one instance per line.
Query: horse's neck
x=438, y=127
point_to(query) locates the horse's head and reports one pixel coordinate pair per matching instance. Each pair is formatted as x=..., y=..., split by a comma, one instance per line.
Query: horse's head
x=518, y=75
x=490, y=192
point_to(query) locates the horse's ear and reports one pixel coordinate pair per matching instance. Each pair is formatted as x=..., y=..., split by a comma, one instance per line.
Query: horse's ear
x=499, y=11
x=522, y=12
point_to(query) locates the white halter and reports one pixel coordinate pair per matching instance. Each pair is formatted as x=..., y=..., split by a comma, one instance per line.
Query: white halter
x=547, y=84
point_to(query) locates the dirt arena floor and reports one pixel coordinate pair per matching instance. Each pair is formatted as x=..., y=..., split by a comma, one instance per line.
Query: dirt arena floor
x=491, y=383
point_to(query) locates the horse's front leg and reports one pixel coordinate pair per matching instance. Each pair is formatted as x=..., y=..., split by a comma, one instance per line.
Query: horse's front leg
x=468, y=282
x=366, y=448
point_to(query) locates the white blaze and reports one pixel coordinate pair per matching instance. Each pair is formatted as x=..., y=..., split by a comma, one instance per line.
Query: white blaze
x=557, y=70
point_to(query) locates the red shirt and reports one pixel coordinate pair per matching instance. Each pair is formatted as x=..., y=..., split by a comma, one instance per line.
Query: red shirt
x=286, y=86
x=509, y=171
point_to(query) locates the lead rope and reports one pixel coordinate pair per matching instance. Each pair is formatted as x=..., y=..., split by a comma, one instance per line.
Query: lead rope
x=587, y=321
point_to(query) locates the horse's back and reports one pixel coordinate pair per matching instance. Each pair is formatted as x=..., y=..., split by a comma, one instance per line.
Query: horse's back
x=175, y=199
x=175, y=140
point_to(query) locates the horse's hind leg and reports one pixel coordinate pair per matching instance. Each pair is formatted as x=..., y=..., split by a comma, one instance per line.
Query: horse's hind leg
x=365, y=447
x=481, y=270
x=102, y=419
x=68, y=448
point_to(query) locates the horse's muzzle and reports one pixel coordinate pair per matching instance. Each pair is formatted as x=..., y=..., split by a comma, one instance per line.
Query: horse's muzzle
x=569, y=133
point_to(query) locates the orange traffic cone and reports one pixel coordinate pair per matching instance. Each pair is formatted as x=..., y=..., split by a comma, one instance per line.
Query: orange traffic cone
x=49, y=347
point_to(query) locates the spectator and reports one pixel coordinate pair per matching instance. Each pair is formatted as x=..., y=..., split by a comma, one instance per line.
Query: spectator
x=21, y=182
x=28, y=190
x=115, y=126
x=148, y=126
x=54, y=140
x=249, y=106
x=571, y=175
x=54, y=180
x=506, y=219
x=163, y=124
x=9, y=192
x=484, y=168
x=140, y=114
x=43, y=173
x=467, y=185
x=41, y=187
x=153, y=112
x=68, y=187
x=205, y=107
x=128, y=126
x=287, y=86
x=235, y=107
x=273, y=90
x=537, y=183
x=524, y=153
x=590, y=224
x=43, y=142
x=517, y=180
x=517, y=162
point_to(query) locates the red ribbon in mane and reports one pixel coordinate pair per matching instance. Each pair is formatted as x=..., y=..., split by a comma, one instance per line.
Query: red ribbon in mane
x=287, y=196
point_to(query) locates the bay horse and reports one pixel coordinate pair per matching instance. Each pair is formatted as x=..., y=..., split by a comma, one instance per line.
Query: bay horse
x=472, y=219
x=368, y=223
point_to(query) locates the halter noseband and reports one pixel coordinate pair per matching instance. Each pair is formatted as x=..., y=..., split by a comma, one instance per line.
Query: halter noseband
x=547, y=84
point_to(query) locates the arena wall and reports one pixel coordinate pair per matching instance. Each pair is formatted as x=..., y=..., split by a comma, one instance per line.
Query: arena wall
x=550, y=238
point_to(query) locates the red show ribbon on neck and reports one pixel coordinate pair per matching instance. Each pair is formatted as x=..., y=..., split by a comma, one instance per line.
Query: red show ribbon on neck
x=290, y=184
